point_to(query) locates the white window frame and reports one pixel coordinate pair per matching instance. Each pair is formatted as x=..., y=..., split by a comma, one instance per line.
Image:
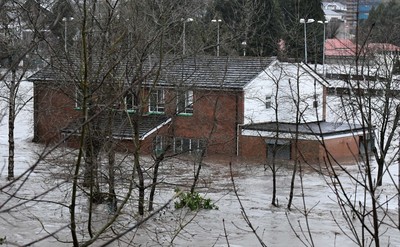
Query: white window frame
x=185, y=105
x=268, y=101
x=130, y=101
x=178, y=145
x=158, y=96
x=159, y=144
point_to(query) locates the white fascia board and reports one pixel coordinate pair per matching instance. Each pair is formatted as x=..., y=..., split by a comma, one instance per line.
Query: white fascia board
x=311, y=137
x=156, y=129
x=314, y=74
x=273, y=134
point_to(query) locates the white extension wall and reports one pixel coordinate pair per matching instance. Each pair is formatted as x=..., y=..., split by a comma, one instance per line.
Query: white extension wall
x=284, y=84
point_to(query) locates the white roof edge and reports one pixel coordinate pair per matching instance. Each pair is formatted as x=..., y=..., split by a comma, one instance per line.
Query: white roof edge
x=314, y=74
x=155, y=129
x=316, y=137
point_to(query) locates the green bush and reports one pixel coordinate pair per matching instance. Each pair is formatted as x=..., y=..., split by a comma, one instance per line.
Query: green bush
x=2, y=241
x=194, y=201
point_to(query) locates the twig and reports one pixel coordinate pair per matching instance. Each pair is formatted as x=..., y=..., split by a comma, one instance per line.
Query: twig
x=243, y=211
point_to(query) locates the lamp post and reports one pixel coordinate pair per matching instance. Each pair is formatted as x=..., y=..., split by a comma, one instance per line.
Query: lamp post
x=305, y=35
x=184, y=34
x=244, y=44
x=323, y=46
x=217, y=21
x=66, y=20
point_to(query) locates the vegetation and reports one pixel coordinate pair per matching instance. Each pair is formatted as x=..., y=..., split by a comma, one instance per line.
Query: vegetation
x=382, y=24
x=194, y=201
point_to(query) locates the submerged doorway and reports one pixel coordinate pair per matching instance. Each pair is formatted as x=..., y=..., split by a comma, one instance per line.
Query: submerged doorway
x=280, y=147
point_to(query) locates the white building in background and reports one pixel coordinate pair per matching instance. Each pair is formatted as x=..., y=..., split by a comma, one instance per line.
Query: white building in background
x=350, y=9
x=330, y=14
x=336, y=12
x=335, y=6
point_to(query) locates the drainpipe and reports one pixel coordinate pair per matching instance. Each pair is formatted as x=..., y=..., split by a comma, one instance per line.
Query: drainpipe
x=238, y=120
x=237, y=138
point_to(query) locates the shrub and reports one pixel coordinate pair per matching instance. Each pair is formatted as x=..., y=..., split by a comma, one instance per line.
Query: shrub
x=194, y=201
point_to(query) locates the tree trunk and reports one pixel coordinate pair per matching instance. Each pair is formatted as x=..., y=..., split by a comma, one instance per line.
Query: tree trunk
x=91, y=172
x=295, y=151
x=92, y=166
x=289, y=206
x=140, y=184
x=274, y=202
x=138, y=169
x=112, y=197
x=197, y=173
x=11, y=121
x=155, y=177
x=380, y=172
x=92, y=151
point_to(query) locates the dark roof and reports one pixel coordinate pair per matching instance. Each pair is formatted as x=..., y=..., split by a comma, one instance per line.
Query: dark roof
x=48, y=73
x=213, y=72
x=122, y=127
x=200, y=71
x=315, y=128
x=58, y=70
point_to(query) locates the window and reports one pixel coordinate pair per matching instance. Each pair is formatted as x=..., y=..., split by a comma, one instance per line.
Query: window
x=157, y=101
x=367, y=140
x=197, y=146
x=131, y=101
x=278, y=149
x=185, y=102
x=178, y=145
x=268, y=101
x=160, y=144
x=315, y=102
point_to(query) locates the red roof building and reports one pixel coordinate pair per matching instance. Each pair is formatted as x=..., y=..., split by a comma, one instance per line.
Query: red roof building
x=342, y=50
x=339, y=48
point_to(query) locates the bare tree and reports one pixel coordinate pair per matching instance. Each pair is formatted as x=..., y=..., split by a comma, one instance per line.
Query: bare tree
x=17, y=45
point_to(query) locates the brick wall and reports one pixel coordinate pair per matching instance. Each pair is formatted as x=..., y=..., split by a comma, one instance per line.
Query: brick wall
x=215, y=118
x=308, y=151
x=253, y=148
x=344, y=149
x=54, y=109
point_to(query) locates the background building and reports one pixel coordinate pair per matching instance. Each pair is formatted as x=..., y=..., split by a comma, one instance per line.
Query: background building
x=347, y=11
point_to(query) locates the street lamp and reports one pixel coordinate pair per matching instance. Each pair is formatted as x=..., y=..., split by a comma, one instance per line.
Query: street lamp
x=65, y=20
x=184, y=34
x=217, y=21
x=305, y=35
x=244, y=44
x=323, y=46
